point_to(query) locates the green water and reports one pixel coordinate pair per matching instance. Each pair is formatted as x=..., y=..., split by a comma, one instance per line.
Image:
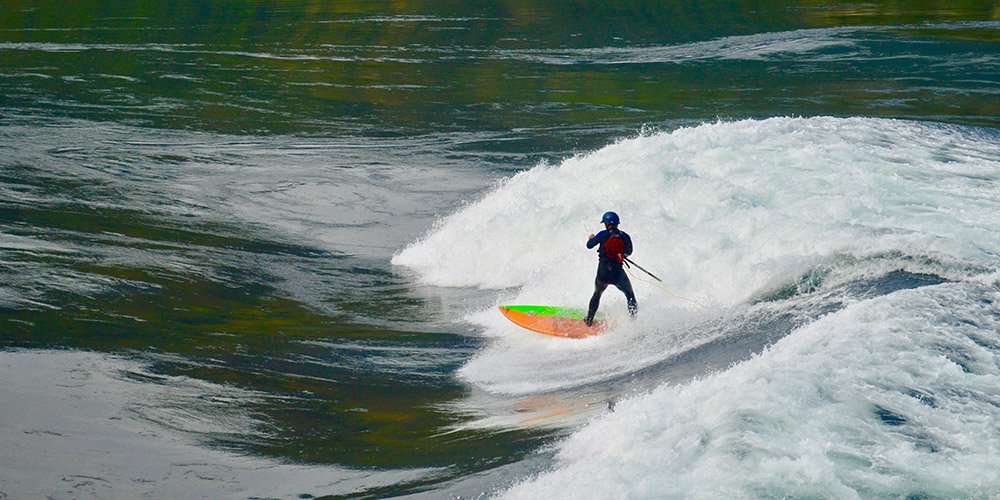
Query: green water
x=216, y=188
x=374, y=68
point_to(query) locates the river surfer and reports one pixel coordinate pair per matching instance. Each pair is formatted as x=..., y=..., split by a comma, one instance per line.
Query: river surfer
x=614, y=245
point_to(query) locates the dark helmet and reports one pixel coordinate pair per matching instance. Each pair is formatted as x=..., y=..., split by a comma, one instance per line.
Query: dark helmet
x=610, y=218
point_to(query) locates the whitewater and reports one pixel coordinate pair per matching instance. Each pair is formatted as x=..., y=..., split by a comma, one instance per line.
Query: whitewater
x=846, y=268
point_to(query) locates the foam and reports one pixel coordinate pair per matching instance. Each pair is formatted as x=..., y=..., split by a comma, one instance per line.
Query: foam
x=891, y=397
x=714, y=209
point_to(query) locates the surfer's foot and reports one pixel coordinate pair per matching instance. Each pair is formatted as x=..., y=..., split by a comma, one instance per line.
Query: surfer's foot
x=589, y=320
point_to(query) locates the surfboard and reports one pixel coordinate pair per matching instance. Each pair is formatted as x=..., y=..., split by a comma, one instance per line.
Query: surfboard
x=553, y=320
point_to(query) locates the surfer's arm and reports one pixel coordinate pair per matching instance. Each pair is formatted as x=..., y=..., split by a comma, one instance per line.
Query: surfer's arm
x=628, y=244
x=596, y=240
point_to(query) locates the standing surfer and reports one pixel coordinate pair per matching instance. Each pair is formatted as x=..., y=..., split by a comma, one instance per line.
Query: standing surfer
x=615, y=246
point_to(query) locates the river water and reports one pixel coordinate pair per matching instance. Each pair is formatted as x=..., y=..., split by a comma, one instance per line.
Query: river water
x=254, y=248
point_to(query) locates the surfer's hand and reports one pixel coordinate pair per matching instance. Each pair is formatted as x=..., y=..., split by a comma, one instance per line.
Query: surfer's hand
x=591, y=236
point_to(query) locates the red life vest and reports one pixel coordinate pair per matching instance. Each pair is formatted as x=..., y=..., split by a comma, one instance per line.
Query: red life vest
x=614, y=248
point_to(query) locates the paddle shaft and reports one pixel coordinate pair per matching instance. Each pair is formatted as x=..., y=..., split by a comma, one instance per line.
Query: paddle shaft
x=643, y=270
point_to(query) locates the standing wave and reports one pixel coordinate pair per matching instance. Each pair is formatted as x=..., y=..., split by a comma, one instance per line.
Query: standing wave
x=728, y=214
x=785, y=230
x=726, y=210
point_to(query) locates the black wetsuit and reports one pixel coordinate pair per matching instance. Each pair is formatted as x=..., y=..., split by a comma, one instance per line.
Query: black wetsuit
x=610, y=271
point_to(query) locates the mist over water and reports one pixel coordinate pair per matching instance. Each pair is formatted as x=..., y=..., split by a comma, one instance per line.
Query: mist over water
x=255, y=249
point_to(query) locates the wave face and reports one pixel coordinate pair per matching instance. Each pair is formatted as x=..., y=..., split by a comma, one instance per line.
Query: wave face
x=785, y=227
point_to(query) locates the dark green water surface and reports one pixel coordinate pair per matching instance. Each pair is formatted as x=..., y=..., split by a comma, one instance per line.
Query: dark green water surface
x=215, y=188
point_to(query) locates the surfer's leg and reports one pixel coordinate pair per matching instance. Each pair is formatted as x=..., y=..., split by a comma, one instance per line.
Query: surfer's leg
x=625, y=286
x=595, y=301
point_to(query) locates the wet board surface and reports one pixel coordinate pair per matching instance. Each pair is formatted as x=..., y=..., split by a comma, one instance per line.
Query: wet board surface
x=553, y=320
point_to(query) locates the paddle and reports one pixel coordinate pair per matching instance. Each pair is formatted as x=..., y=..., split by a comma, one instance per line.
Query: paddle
x=643, y=270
